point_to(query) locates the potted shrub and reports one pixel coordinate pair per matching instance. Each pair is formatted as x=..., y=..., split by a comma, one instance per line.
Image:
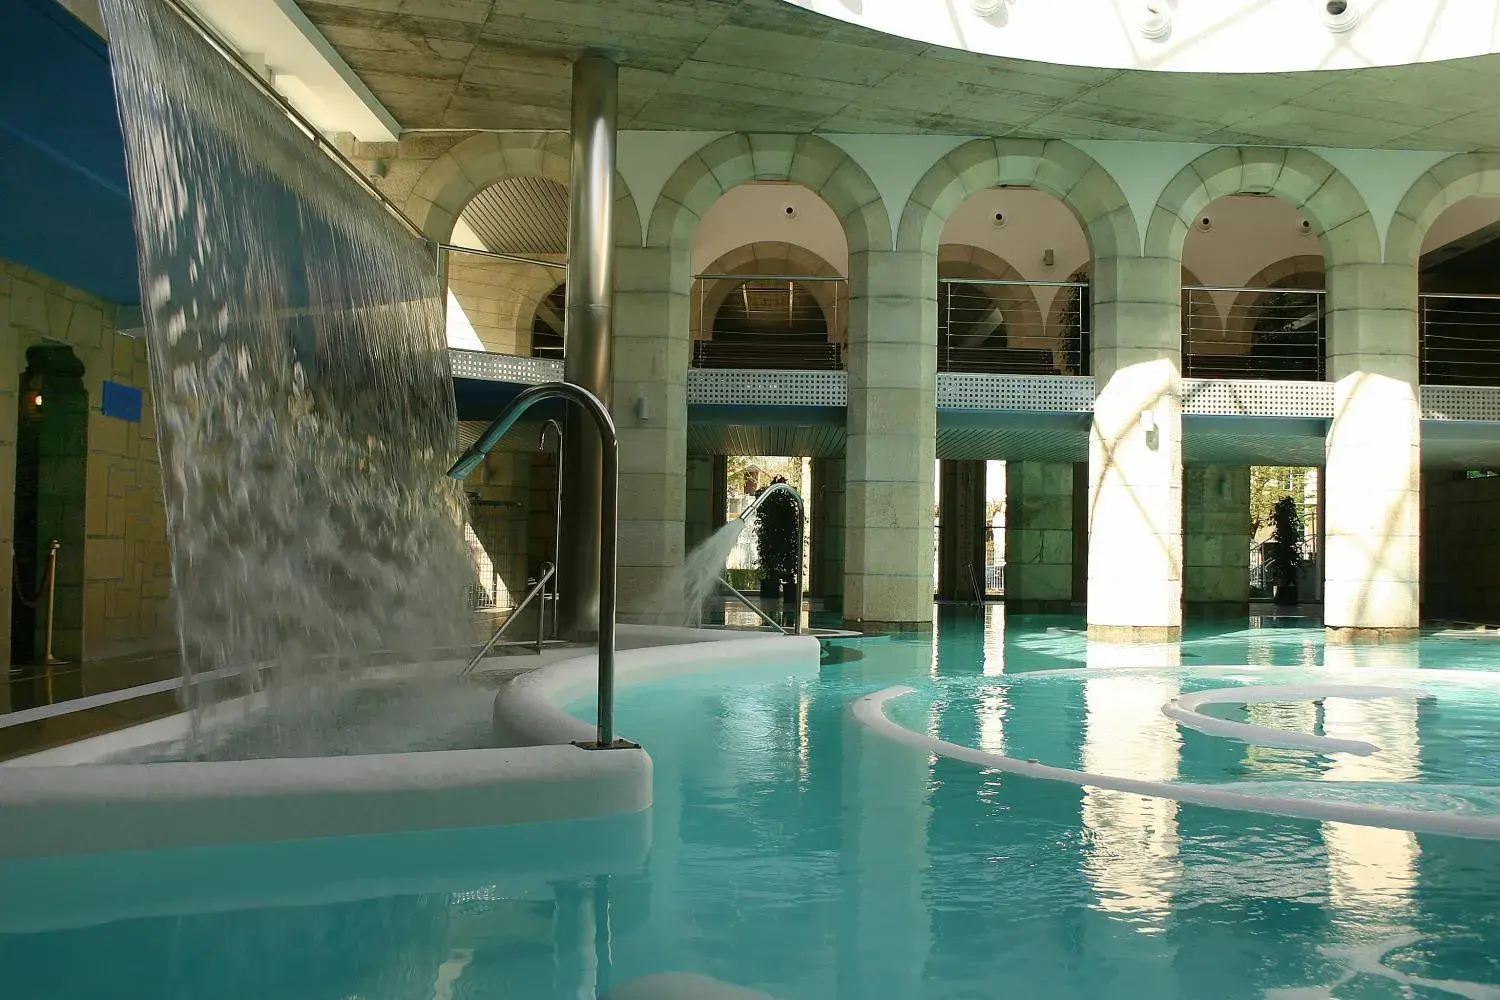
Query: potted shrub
x=778, y=544
x=1284, y=554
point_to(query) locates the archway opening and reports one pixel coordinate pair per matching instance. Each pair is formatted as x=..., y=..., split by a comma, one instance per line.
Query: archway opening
x=1252, y=299
x=1013, y=287
x=51, y=457
x=494, y=302
x=547, y=324
x=1459, y=295
x=770, y=287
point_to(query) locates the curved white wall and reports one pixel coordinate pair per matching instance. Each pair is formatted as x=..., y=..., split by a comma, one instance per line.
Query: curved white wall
x=1205, y=36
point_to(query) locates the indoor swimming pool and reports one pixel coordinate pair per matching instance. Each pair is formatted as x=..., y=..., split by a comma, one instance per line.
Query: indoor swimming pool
x=797, y=852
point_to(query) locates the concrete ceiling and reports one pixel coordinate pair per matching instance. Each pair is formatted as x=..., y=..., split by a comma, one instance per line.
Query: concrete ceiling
x=521, y=215
x=764, y=65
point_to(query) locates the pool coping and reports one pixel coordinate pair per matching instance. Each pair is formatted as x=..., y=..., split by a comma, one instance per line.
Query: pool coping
x=65, y=801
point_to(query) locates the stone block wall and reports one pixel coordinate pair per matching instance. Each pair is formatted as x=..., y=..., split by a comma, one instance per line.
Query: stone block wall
x=1039, y=525
x=1460, y=548
x=500, y=298
x=126, y=567
x=826, y=568
x=1216, y=538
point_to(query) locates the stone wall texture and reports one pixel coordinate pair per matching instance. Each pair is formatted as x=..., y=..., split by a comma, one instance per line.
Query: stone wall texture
x=126, y=566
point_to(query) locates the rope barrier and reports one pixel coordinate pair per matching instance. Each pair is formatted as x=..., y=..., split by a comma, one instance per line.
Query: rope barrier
x=41, y=587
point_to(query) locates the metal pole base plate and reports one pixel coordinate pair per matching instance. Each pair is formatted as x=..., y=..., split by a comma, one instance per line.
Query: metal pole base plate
x=616, y=745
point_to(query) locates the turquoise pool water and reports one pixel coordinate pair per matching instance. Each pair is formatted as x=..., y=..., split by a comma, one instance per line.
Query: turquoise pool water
x=797, y=853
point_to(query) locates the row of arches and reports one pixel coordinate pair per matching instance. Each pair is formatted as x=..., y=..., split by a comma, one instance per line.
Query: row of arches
x=988, y=319
x=1300, y=177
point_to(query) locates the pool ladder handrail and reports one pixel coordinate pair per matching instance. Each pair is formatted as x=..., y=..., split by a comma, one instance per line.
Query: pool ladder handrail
x=755, y=607
x=609, y=525
x=537, y=587
x=765, y=495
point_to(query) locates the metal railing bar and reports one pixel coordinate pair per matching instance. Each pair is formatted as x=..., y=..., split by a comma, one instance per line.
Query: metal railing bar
x=770, y=278
x=754, y=607
x=515, y=615
x=1013, y=283
x=1474, y=296
x=512, y=257
x=1266, y=291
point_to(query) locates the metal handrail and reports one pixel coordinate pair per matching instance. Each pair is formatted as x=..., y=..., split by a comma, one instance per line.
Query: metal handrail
x=756, y=608
x=536, y=588
x=609, y=522
x=557, y=521
x=1013, y=283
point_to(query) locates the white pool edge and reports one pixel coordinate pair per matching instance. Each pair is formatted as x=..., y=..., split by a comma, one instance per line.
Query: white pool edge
x=869, y=711
x=66, y=802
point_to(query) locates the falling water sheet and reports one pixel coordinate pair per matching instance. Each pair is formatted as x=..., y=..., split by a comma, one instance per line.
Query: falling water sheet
x=300, y=379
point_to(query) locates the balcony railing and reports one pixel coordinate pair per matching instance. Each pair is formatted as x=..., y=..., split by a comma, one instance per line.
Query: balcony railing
x=1252, y=333
x=1460, y=339
x=1013, y=327
x=776, y=322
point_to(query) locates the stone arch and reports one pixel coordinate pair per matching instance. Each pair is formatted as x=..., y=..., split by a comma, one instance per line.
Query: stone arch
x=779, y=258
x=1058, y=168
x=531, y=307
x=1445, y=184
x=452, y=180
x=1301, y=178
x=741, y=158
x=1301, y=272
x=1015, y=305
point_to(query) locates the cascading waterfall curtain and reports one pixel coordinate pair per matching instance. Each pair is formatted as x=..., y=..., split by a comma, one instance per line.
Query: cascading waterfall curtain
x=304, y=403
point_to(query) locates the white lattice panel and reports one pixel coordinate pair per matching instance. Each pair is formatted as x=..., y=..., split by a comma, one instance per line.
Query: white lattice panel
x=1257, y=398
x=746, y=387
x=504, y=367
x=1038, y=393
x=1460, y=402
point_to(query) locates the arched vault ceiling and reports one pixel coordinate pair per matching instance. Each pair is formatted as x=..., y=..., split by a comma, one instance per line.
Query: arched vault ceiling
x=765, y=65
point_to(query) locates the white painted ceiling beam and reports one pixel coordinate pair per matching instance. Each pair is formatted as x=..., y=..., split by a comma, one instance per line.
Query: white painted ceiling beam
x=302, y=65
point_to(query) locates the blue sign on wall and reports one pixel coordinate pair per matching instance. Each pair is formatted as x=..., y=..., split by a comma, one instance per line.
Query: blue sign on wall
x=123, y=402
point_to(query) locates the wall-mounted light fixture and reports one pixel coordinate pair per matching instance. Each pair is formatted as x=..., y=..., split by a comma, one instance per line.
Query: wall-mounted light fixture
x=1049, y=258
x=1148, y=425
x=643, y=409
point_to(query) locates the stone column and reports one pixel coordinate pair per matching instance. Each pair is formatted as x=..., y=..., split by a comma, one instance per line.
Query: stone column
x=699, y=523
x=828, y=532
x=650, y=411
x=892, y=421
x=1216, y=539
x=586, y=362
x=1135, y=452
x=1373, y=471
x=1038, y=537
x=961, y=531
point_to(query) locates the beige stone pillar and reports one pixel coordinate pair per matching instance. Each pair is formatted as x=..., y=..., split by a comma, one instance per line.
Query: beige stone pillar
x=1038, y=537
x=1373, y=471
x=1216, y=539
x=1135, y=452
x=650, y=411
x=698, y=522
x=892, y=421
x=828, y=532
x=961, y=531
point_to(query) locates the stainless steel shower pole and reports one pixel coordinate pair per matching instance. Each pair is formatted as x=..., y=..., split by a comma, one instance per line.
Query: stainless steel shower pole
x=588, y=331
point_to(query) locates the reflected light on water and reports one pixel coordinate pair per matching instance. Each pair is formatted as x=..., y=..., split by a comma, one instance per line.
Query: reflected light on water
x=1131, y=860
x=1370, y=868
